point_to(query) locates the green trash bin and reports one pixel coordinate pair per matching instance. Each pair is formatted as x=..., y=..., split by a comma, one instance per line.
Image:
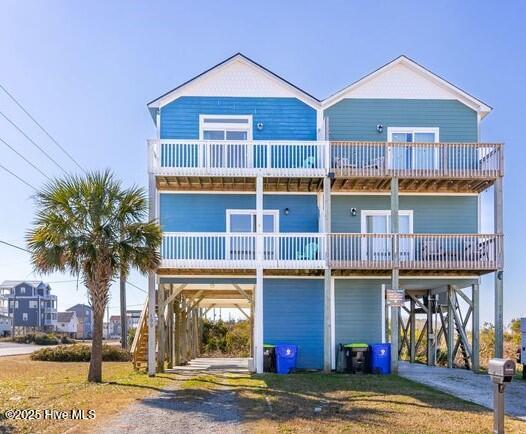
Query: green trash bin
x=356, y=358
x=269, y=358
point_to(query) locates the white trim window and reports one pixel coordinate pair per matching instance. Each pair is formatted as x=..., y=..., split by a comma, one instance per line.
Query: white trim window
x=243, y=222
x=24, y=316
x=33, y=304
x=416, y=156
x=379, y=222
x=227, y=138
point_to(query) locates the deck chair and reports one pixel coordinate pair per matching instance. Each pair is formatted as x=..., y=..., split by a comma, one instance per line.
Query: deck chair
x=375, y=163
x=309, y=163
x=309, y=252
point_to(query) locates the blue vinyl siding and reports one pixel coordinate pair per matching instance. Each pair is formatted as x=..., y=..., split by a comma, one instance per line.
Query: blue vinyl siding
x=356, y=119
x=431, y=214
x=358, y=310
x=282, y=118
x=207, y=212
x=293, y=314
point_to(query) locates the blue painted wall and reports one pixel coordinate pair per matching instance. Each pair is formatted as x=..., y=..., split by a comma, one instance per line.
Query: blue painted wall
x=356, y=119
x=293, y=314
x=207, y=212
x=283, y=118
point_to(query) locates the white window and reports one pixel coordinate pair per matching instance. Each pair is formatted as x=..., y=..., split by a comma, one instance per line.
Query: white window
x=379, y=222
x=413, y=156
x=22, y=290
x=24, y=316
x=225, y=127
x=16, y=304
x=33, y=304
x=243, y=221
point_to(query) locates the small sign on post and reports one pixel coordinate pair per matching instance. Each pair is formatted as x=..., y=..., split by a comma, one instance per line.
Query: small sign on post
x=395, y=297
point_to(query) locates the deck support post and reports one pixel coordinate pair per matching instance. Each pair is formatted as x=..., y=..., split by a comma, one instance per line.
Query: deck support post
x=450, y=325
x=152, y=199
x=395, y=311
x=327, y=299
x=412, y=331
x=258, y=297
x=475, y=327
x=499, y=274
x=161, y=329
x=430, y=330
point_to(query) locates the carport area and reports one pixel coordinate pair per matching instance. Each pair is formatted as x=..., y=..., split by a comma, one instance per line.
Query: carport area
x=467, y=385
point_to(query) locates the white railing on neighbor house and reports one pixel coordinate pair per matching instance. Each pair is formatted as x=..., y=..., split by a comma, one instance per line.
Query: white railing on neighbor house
x=346, y=251
x=317, y=158
x=417, y=160
x=238, y=158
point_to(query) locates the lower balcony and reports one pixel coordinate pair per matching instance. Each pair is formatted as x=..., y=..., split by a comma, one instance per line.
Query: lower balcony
x=477, y=253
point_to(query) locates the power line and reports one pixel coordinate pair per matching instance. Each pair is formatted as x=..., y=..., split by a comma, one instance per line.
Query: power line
x=24, y=158
x=42, y=128
x=33, y=142
x=135, y=286
x=18, y=177
x=14, y=246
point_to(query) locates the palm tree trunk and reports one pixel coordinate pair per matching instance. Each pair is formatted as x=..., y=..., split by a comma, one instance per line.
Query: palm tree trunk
x=124, y=317
x=95, y=364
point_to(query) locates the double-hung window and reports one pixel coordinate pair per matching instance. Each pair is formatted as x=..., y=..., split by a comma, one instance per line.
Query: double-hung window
x=227, y=139
x=418, y=154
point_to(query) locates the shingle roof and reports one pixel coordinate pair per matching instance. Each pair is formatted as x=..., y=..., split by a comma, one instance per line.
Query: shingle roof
x=13, y=283
x=65, y=316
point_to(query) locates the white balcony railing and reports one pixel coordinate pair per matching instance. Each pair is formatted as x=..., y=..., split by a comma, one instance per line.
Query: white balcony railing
x=346, y=251
x=317, y=158
x=237, y=158
x=417, y=160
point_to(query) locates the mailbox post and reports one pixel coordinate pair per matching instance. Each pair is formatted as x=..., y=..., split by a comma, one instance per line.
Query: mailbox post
x=501, y=372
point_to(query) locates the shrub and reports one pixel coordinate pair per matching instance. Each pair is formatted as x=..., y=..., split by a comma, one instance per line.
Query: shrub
x=66, y=340
x=79, y=353
x=131, y=336
x=38, y=339
x=226, y=338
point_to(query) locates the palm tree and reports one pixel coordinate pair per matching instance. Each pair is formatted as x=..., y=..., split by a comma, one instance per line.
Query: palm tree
x=91, y=227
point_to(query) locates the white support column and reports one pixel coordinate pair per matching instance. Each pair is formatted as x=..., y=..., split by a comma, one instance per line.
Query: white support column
x=395, y=311
x=327, y=303
x=475, y=327
x=499, y=274
x=152, y=200
x=258, y=296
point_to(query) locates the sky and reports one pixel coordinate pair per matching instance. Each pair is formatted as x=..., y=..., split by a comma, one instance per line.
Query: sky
x=85, y=71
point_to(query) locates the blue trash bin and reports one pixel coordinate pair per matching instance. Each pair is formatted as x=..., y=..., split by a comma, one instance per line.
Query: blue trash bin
x=380, y=359
x=286, y=356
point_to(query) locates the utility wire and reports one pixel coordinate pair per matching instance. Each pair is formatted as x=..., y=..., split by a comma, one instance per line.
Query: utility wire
x=42, y=128
x=18, y=177
x=33, y=142
x=14, y=246
x=24, y=158
x=136, y=287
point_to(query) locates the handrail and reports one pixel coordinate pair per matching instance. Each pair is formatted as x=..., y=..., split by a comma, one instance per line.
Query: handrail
x=140, y=326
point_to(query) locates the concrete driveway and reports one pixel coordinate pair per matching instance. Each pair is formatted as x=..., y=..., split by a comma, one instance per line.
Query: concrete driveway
x=12, y=349
x=467, y=385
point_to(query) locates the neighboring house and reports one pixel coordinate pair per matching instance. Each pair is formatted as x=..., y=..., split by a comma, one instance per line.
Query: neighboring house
x=5, y=325
x=67, y=322
x=85, y=318
x=133, y=317
x=31, y=305
x=313, y=210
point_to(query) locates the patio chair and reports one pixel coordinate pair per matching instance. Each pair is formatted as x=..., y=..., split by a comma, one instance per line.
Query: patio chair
x=375, y=163
x=309, y=252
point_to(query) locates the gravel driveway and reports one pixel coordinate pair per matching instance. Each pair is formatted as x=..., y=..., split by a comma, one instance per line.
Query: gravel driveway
x=180, y=411
x=12, y=349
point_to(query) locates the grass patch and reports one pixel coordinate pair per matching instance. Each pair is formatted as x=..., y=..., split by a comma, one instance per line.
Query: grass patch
x=27, y=384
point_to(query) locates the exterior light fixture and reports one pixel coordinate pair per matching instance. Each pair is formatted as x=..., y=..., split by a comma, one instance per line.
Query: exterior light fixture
x=286, y=211
x=354, y=211
x=260, y=125
x=379, y=128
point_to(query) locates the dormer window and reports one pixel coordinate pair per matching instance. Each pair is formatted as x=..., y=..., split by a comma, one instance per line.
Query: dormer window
x=22, y=290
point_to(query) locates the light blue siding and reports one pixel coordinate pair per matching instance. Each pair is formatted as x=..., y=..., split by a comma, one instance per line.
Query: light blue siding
x=358, y=310
x=207, y=212
x=356, y=119
x=282, y=118
x=431, y=214
x=293, y=314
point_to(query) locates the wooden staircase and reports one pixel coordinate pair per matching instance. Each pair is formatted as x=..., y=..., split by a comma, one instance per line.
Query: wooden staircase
x=139, y=348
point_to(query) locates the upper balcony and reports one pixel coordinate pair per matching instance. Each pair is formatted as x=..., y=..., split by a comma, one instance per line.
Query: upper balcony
x=301, y=165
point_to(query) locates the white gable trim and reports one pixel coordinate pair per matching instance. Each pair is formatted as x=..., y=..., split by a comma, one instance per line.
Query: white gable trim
x=435, y=88
x=203, y=84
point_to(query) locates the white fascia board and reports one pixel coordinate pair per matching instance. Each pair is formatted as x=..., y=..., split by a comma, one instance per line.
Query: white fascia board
x=455, y=92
